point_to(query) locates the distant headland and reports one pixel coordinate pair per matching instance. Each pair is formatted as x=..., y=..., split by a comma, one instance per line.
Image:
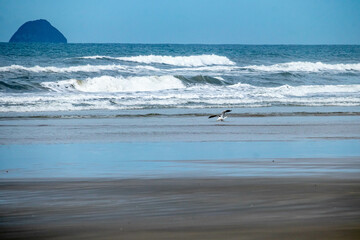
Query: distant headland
x=38, y=31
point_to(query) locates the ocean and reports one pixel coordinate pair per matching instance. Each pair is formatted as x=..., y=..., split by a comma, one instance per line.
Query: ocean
x=91, y=77
x=97, y=110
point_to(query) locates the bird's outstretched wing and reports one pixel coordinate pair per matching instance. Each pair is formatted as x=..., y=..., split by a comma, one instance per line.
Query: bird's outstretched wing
x=223, y=112
x=213, y=116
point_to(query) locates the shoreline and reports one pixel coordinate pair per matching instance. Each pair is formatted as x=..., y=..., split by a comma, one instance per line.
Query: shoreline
x=181, y=177
x=181, y=125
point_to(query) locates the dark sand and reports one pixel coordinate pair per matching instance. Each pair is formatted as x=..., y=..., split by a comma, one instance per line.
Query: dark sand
x=223, y=208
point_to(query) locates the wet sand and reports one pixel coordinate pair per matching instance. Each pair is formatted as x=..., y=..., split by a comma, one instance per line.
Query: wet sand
x=180, y=176
x=181, y=208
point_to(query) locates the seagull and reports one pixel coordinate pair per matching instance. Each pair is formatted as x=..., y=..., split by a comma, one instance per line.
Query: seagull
x=221, y=117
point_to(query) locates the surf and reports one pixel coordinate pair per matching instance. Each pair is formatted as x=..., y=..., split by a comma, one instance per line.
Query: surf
x=184, y=61
x=304, y=67
x=71, y=69
x=116, y=84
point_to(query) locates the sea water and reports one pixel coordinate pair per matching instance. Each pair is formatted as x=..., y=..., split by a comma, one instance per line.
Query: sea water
x=77, y=77
x=181, y=159
x=140, y=110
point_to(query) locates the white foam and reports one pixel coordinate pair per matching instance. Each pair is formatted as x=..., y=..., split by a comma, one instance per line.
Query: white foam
x=213, y=69
x=116, y=84
x=80, y=68
x=143, y=92
x=298, y=91
x=185, y=61
x=219, y=78
x=97, y=57
x=304, y=67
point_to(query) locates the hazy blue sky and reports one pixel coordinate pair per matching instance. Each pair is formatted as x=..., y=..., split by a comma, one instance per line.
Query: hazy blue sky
x=191, y=21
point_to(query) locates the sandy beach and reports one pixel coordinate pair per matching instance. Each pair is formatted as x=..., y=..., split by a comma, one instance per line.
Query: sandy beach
x=175, y=175
x=214, y=208
x=179, y=120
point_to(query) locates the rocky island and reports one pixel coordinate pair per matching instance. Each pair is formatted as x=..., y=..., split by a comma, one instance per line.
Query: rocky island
x=38, y=31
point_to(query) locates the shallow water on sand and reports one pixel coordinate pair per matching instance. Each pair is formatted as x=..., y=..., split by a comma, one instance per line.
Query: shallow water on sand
x=181, y=143
x=181, y=125
x=180, y=159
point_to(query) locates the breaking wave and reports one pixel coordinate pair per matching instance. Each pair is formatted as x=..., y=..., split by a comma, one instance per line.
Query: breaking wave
x=201, y=63
x=113, y=84
x=298, y=91
x=304, y=67
x=114, y=93
x=184, y=61
x=116, y=84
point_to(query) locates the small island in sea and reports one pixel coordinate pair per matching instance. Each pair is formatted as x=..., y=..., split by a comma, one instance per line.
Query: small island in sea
x=38, y=31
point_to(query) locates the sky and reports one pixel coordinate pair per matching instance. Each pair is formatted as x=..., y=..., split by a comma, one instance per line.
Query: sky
x=191, y=21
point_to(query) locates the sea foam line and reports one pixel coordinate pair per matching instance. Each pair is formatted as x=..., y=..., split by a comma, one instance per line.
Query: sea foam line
x=184, y=61
x=304, y=67
x=97, y=93
x=81, y=68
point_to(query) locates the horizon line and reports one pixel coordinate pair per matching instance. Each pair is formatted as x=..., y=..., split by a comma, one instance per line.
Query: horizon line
x=253, y=44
